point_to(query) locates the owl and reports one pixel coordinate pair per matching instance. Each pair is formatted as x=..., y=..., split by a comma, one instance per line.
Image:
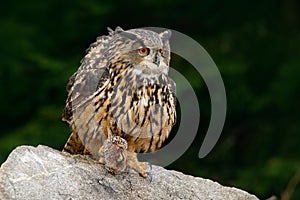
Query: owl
x=122, y=88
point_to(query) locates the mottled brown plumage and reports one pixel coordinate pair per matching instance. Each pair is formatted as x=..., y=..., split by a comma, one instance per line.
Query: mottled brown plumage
x=122, y=89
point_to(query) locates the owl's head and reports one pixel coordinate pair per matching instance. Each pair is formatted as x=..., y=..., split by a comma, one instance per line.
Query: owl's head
x=148, y=51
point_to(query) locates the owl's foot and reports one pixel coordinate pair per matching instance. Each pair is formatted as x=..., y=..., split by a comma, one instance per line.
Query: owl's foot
x=133, y=162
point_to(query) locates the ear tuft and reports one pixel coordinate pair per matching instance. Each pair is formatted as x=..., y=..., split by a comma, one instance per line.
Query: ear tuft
x=113, y=32
x=166, y=35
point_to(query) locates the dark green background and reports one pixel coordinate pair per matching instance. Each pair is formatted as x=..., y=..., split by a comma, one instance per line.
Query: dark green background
x=255, y=44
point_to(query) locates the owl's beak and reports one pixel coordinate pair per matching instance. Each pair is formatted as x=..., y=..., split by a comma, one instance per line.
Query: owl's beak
x=156, y=59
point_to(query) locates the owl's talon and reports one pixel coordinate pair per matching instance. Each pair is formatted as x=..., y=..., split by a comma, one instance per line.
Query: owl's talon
x=149, y=176
x=149, y=166
x=148, y=171
x=140, y=167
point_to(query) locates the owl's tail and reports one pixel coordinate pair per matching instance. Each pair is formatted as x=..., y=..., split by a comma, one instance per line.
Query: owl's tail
x=75, y=146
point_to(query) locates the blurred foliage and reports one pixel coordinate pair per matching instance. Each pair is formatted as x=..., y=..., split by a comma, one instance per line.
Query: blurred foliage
x=254, y=44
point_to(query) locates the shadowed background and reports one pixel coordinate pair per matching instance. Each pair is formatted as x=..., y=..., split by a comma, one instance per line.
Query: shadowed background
x=255, y=45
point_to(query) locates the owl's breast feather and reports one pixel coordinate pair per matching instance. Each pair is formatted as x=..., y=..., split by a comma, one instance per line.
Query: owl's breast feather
x=143, y=112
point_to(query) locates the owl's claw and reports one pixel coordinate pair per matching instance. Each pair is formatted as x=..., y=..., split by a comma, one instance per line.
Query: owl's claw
x=149, y=176
x=149, y=166
x=140, y=167
x=148, y=171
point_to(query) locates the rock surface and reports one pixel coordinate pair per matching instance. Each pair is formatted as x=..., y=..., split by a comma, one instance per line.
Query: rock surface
x=44, y=173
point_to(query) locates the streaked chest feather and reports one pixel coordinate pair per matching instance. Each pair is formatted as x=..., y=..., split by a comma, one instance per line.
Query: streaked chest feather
x=141, y=109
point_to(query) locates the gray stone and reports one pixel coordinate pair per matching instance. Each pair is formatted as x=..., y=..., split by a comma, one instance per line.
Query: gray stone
x=44, y=173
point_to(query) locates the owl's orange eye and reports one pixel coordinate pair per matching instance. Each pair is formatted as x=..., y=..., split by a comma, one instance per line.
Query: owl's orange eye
x=144, y=51
x=162, y=51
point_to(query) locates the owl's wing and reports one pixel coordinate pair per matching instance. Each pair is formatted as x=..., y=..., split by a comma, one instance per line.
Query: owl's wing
x=91, y=75
x=81, y=89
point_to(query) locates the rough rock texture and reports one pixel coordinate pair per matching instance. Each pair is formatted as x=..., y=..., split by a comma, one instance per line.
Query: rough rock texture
x=44, y=173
